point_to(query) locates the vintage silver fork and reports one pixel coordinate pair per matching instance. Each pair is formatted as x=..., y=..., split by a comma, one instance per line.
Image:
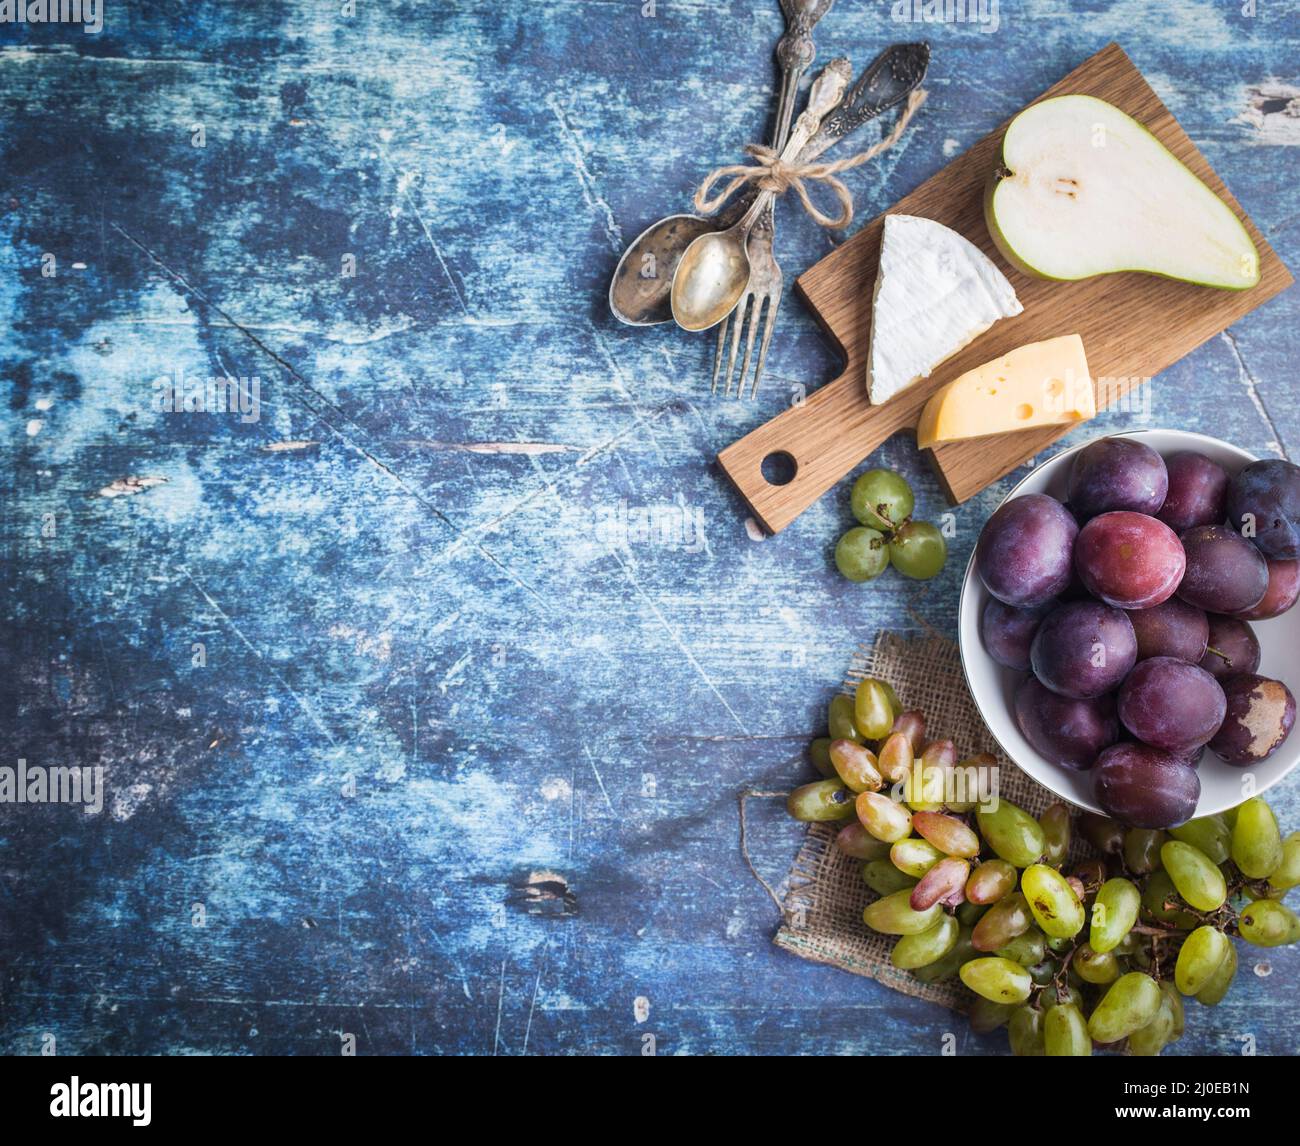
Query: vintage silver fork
x=886, y=82
x=795, y=53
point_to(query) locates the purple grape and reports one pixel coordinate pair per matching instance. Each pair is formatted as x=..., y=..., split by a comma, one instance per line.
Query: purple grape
x=1172, y=628
x=1117, y=473
x=1129, y=560
x=1063, y=730
x=1025, y=553
x=1231, y=647
x=1145, y=787
x=1171, y=704
x=1264, y=505
x=1283, y=589
x=1198, y=492
x=1225, y=572
x=1083, y=649
x=1008, y=631
x=1261, y=714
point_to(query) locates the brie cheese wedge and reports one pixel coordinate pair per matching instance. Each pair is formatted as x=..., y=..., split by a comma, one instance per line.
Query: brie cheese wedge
x=935, y=292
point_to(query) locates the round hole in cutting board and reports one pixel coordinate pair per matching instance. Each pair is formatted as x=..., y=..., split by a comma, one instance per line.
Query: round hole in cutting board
x=779, y=468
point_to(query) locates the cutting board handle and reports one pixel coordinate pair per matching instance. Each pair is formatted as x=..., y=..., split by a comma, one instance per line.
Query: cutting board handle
x=818, y=441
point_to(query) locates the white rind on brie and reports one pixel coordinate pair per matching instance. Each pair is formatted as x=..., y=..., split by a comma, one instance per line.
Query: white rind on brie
x=935, y=292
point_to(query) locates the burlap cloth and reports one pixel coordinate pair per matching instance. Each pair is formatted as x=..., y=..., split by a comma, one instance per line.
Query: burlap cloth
x=822, y=909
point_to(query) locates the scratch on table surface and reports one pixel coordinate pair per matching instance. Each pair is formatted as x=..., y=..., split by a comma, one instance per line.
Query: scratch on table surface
x=132, y=565
x=428, y=234
x=525, y=448
x=383, y=466
x=251, y=1001
x=449, y=677
x=552, y=485
x=341, y=333
x=108, y=667
x=537, y=983
x=674, y=406
x=575, y=809
x=593, y=199
x=672, y=634
x=621, y=383
x=596, y=772
x=1252, y=390
x=288, y=367
x=501, y=998
x=444, y=623
x=302, y=702
x=451, y=958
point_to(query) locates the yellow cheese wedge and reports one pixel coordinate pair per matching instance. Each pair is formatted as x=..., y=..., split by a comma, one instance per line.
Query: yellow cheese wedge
x=1040, y=384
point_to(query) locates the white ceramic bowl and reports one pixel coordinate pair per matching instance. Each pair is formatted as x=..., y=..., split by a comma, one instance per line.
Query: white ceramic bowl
x=994, y=686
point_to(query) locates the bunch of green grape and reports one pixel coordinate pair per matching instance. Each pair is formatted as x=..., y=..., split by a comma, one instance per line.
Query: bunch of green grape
x=1066, y=956
x=882, y=501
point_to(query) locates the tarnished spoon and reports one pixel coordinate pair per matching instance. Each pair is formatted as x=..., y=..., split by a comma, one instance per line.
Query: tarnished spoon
x=714, y=270
x=638, y=292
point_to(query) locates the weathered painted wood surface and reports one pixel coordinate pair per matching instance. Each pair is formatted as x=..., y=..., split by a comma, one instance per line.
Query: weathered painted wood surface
x=428, y=691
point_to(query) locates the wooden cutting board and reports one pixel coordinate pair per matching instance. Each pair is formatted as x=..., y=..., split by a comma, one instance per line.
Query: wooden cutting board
x=1132, y=325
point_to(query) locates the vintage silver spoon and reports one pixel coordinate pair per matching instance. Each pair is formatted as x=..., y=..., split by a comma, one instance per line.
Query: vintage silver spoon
x=714, y=270
x=639, y=291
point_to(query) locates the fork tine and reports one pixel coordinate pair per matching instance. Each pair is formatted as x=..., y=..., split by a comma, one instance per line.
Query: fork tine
x=717, y=355
x=749, y=343
x=739, y=314
x=773, y=304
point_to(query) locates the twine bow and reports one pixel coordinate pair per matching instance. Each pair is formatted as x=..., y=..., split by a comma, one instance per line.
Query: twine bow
x=769, y=173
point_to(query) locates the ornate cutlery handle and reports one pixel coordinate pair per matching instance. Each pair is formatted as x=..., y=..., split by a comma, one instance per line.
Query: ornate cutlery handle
x=886, y=82
x=795, y=53
x=827, y=89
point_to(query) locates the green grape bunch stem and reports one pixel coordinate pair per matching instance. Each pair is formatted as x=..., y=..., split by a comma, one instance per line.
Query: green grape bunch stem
x=887, y=534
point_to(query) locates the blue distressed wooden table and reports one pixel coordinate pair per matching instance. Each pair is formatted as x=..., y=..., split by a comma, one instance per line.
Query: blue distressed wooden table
x=423, y=687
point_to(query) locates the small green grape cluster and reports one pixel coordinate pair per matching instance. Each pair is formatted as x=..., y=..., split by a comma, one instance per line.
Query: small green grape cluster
x=882, y=501
x=1099, y=955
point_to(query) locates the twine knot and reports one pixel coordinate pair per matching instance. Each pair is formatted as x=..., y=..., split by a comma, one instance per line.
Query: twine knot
x=769, y=173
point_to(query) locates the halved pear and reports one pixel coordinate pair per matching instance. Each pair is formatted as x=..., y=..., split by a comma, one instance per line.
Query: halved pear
x=1084, y=190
